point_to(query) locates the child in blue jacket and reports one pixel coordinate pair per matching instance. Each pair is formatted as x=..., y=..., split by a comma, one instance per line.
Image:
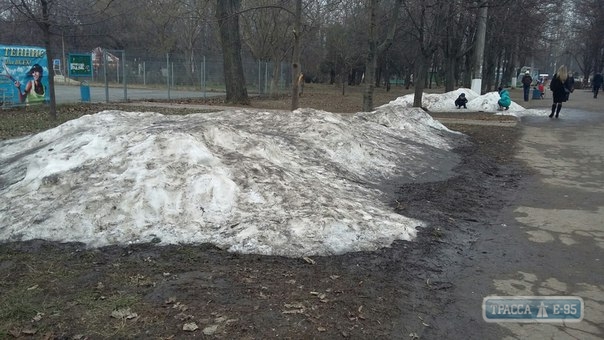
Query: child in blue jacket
x=505, y=101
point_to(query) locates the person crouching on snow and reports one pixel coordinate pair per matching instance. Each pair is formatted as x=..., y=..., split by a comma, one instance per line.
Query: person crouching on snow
x=461, y=101
x=504, y=102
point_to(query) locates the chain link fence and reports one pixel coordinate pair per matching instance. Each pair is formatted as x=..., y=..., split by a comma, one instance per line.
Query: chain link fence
x=198, y=78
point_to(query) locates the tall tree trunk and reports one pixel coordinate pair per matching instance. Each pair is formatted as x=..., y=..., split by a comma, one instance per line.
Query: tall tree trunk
x=467, y=76
x=296, y=56
x=371, y=59
x=227, y=14
x=450, y=50
x=45, y=26
x=275, y=80
x=375, y=50
x=450, y=81
x=510, y=69
x=420, y=79
x=479, y=49
x=190, y=63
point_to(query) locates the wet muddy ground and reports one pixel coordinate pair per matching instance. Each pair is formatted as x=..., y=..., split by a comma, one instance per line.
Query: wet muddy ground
x=65, y=291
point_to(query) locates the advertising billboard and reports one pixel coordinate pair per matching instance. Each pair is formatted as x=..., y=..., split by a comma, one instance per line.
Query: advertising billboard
x=23, y=75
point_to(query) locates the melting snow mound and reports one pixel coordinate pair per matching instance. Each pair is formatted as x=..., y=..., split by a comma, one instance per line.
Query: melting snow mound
x=445, y=102
x=286, y=183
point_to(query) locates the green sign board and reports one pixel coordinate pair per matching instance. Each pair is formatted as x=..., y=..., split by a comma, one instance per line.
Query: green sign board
x=80, y=65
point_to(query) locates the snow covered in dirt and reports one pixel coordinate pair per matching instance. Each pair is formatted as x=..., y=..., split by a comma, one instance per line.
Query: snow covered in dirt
x=297, y=183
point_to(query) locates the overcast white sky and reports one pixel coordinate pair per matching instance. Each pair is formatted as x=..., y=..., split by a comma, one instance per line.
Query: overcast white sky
x=286, y=183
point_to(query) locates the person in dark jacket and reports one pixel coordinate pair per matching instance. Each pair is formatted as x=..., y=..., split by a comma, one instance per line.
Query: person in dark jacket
x=461, y=101
x=570, y=84
x=596, y=82
x=561, y=86
x=527, y=80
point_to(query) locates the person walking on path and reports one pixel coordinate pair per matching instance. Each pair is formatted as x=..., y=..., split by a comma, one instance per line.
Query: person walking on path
x=570, y=85
x=561, y=87
x=527, y=80
x=597, y=83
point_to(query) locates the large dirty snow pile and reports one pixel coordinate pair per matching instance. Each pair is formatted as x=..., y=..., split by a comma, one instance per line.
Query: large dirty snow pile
x=296, y=183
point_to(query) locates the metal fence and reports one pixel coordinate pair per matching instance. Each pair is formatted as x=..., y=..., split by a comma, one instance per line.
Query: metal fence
x=176, y=74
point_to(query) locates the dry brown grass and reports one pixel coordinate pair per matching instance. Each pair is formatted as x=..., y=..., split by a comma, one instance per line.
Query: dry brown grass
x=333, y=98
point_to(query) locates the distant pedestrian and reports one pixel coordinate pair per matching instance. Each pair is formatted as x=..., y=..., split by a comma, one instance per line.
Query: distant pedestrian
x=461, y=101
x=596, y=82
x=300, y=84
x=536, y=93
x=527, y=80
x=561, y=87
x=541, y=88
x=570, y=84
x=505, y=101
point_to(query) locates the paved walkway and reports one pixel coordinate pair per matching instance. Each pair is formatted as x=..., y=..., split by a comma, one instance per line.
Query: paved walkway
x=550, y=240
x=508, y=123
x=561, y=214
x=581, y=99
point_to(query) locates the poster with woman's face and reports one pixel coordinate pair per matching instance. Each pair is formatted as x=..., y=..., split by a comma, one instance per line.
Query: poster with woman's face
x=23, y=75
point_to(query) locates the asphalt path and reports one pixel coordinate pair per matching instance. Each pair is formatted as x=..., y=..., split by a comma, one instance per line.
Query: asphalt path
x=549, y=241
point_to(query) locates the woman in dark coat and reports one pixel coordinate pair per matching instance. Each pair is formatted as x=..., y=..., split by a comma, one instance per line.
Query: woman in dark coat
x=597, y=82
x=560, y=87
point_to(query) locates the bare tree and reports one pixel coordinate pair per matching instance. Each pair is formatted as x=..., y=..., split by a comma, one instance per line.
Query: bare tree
x=424, y=17
x=456, y=43
x=296, y=55
x=508, y=47
x=191, y=22
x=317, y=15
x=266, y=30
x=336, y=40
x=227, y=14
x=375, y=49
x=342, y=56
x=588, y=28
x=345, y=43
